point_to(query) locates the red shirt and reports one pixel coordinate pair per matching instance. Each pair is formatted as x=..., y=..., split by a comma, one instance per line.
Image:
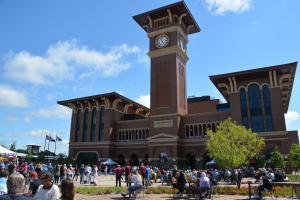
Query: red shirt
x=128, y=169
x=142, y=169
x=118, y=171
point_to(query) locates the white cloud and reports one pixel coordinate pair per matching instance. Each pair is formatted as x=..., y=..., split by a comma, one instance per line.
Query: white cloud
x=144, y=100
x=64, y=60
x=41, y=133
x=11, y=97
x=291, y=117
x=221, y=6
x=27, y=120
x=55, y=111
x=12, y=119
x=144, y=59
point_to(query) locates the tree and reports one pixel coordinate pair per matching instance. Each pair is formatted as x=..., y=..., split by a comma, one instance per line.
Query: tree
x=277, y=159
x=294, y=156
x=13, y=146
x=233, y=145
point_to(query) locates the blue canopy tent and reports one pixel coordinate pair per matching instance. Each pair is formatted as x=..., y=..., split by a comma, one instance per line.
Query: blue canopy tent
x=109, y=162
x=212, y=162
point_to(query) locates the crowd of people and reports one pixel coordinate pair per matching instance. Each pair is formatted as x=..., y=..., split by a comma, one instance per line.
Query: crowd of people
x=26, y=182
x=37, y=181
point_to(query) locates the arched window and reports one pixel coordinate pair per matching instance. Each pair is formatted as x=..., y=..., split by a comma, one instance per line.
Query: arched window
x=187, y=131
x=191, y=131
x=244, y=111
x=85, y=125
x=204, y=129
x=93, y=129
x=256, y=116
x=213, y=128
x=267, y=106
x=200, y=130
x=101, y=125
x=120, y=135
x=77, y=131
x=196, y=130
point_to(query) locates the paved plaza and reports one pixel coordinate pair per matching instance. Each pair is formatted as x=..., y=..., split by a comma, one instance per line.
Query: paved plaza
x=109, y=181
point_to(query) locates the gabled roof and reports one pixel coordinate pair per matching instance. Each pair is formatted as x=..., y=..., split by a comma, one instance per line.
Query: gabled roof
x=285, y=74
x=112, y=96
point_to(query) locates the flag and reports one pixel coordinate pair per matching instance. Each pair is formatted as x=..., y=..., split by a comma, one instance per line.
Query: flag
x=49, y=138
x=58, y=138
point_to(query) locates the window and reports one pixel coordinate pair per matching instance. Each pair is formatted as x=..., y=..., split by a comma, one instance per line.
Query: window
x=93, y=130
x=85, y=125
x=255, y=108
x=267, y=106
x=77, y=131
x=244, y=112
x=101, y=125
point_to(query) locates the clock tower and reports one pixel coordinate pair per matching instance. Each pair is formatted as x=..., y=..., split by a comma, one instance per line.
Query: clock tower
x=168, y=29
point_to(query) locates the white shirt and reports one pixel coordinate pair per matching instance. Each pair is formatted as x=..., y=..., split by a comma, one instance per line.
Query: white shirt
x=47, y=194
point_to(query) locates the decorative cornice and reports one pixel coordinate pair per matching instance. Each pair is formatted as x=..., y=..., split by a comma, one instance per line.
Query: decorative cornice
x=167, y=51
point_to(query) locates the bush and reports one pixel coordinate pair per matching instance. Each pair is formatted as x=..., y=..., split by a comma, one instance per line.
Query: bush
x=293, y=178
x=279, y=191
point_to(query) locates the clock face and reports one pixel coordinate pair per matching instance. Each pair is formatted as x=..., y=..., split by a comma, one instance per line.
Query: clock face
x=162, y=41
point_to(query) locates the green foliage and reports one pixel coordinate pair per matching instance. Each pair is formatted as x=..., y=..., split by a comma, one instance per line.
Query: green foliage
x=29, y=157
x=294, y=156
x=293, y=177
x=232, y=145
x=277, y=159
x=13, y=146
x=100, y=190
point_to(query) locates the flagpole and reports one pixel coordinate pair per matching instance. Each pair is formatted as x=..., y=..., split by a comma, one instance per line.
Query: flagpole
x=55, y=147
x=48, y=150
x=45, y=143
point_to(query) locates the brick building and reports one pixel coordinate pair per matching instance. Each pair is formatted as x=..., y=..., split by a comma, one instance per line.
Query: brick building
x=173, y=130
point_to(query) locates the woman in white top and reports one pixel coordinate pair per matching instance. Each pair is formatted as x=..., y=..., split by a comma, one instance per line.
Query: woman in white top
x=94, y=174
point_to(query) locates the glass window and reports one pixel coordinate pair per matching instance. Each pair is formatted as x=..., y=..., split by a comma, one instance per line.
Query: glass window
x=256, y=117
x=77, y=131
x=93, y=129
x=85, y=125
x=101, y=124
x=267, y=106
x=244, y=111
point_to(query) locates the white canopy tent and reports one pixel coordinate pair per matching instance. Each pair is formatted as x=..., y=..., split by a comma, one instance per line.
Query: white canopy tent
x=7, y=153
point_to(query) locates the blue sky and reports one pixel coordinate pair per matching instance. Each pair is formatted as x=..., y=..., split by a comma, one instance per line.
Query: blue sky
x=57, y=50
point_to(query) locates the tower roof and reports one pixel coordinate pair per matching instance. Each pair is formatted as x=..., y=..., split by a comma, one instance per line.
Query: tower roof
x=178, y=9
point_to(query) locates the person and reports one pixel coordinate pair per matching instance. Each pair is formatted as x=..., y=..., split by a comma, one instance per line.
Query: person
x=63, y=170
x=142, y=169
x=47, y=191
x=3, y=180
x=204, y=184
x=137, y=180
x=105, y=170
x=128, y=170
x=94, y=175
x=67, y=190
x=180, y=183
x=34, y=183
x=81, y=173
x=11, y=169
x=118, y=171
x=266, y=185
x=148, y=176
x=76, y=174
x=15, y=188
x=56, y=173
